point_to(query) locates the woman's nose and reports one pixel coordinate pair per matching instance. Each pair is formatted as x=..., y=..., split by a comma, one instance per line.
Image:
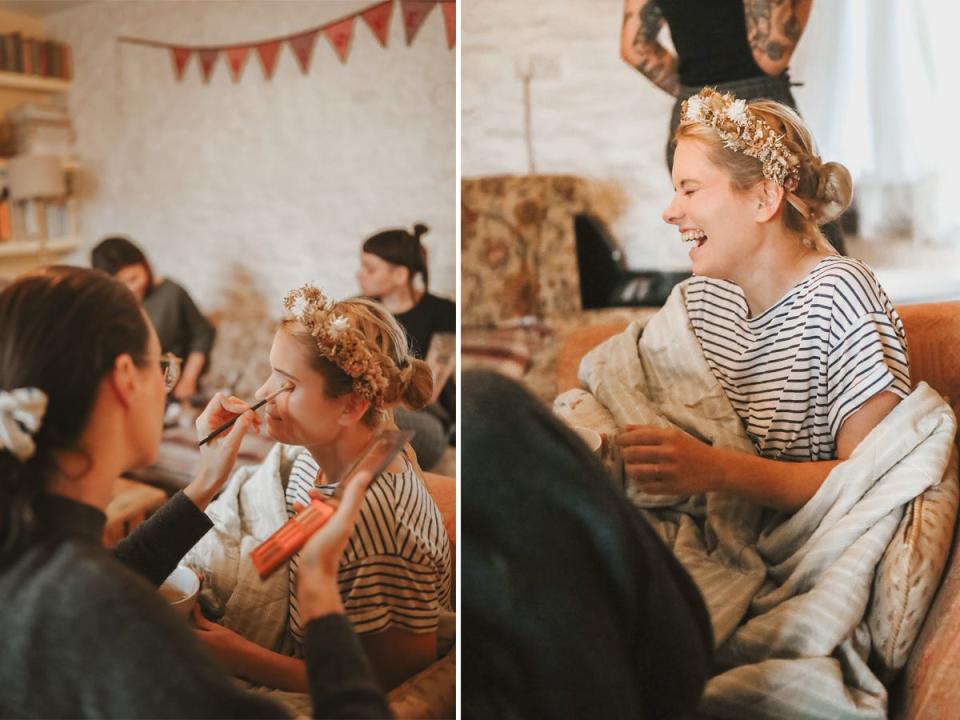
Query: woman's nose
x=262, y=391
x=671, y=215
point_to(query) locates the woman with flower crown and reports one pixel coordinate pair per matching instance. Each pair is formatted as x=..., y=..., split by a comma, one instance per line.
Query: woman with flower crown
x=768, y=428
x=805, y=343
x=349, y=366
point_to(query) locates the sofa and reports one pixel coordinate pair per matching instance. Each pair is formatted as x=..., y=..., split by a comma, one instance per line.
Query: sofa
x=926, y=688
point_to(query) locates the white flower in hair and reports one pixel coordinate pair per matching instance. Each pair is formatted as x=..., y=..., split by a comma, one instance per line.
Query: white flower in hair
x=299, y=306
x=337, y=324
x=694, y=108
x=737, y=111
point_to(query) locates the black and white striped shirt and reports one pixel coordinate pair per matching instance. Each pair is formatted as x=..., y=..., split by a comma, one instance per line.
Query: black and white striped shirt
x=796, y=371
x=396, y=569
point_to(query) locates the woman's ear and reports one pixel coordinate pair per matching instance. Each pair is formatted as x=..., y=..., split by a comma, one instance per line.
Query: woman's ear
x=124, y=380
x=769, y=197
x=354, y=410
x=401, y=274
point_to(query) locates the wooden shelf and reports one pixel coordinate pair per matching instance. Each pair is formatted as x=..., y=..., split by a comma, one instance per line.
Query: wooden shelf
x=69, y=164
x=25, y=248
x=32, y=83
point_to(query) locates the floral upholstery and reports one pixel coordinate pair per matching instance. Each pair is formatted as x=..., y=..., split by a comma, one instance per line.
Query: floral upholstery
x=518, y=249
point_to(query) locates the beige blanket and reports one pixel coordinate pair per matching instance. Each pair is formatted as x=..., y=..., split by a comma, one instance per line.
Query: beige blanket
x=789, y=596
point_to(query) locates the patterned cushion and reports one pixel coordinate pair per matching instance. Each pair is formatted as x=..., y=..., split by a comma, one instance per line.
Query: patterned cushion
x=507, y=350
x=518, y=249
x=909, y=574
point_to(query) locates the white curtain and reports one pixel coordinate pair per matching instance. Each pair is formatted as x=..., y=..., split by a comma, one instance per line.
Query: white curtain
x=880, y=93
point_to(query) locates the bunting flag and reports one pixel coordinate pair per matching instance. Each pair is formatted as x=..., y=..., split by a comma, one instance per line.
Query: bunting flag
x=302, y=46
x=378, y=20
x=180, y=58
x=208, y=57
x=450, y=20
x=339, y=34
x=236, y=59
x=414, y=13
x=268, y=52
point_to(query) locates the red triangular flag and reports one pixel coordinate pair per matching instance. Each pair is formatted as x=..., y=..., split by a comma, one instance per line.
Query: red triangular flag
x=208, y=56
x=340, y=34
x=450, y=20
x=268, y=57
x=236, y=59
x=302, y=46
x=378, y=20
x=180, y=58
x=414, y=13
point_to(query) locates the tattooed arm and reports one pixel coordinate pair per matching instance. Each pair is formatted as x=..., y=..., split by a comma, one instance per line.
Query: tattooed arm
x=773, y=29
x=639, y=48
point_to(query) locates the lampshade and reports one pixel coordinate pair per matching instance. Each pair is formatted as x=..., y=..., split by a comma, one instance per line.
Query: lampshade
x=35, y=176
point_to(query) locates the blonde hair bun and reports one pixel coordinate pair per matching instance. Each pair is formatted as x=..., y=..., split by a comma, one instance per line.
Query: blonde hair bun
x=834, y=192
x=416, y=384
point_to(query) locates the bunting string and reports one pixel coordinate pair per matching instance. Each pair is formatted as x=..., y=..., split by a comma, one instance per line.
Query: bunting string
x=339, y=33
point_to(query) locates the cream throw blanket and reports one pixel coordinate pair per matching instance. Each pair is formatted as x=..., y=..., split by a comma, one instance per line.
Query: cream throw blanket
x=787, y=594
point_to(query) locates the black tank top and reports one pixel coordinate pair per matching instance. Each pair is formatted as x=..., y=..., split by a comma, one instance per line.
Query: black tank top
x=711, y=41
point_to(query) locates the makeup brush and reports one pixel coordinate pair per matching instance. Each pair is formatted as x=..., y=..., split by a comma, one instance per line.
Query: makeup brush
x=229, y=423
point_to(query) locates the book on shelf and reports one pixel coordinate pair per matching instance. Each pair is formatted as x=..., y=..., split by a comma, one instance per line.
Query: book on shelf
x=5, y=234
x=34, y=56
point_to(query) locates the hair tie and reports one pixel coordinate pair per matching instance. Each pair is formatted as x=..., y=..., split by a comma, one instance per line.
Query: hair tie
x=21, y=413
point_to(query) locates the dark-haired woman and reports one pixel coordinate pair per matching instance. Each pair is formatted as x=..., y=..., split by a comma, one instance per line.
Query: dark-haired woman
x=82, y=387
x=390, y=264
x=182, y=328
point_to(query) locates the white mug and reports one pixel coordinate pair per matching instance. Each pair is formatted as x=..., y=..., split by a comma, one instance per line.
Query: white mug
x=591, y=438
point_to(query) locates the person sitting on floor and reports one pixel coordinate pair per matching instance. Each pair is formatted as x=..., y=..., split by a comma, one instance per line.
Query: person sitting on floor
x=182, y=328
x=390, y=264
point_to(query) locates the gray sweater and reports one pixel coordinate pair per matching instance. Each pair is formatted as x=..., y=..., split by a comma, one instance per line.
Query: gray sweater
x=85, y=634
x=180, y=325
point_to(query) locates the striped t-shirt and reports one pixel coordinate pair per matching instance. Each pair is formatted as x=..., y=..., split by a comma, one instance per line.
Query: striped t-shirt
x=396, y=569
x=796, y=371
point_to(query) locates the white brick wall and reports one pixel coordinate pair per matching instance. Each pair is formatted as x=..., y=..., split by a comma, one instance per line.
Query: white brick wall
x=276, y=182
x=596, y=117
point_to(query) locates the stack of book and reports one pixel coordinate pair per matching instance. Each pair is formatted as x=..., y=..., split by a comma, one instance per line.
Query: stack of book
x=41, y=129
x=33, y=56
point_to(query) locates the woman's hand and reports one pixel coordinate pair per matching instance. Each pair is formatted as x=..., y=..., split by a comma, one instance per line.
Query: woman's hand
x=317, y=591
x=226, y=645
x=185, y=389
x=218, y=456
x=665, y=461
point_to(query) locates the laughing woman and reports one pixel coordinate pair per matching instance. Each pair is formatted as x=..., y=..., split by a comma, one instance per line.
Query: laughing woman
x=348, y=364
x=805, y=343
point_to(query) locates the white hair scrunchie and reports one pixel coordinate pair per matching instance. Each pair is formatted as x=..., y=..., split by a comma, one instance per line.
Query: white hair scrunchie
x=21, y=412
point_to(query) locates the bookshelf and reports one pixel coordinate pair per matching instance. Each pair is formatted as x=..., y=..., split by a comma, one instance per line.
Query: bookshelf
x=29, y=246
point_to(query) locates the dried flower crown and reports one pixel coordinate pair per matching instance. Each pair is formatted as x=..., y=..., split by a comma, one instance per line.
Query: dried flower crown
x=339, y=342
x=744, y=132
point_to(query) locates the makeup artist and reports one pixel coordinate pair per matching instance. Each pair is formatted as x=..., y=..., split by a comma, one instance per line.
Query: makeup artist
x=82, y=389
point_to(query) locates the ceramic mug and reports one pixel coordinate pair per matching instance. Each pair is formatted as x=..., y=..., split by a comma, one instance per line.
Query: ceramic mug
x=180, y=589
